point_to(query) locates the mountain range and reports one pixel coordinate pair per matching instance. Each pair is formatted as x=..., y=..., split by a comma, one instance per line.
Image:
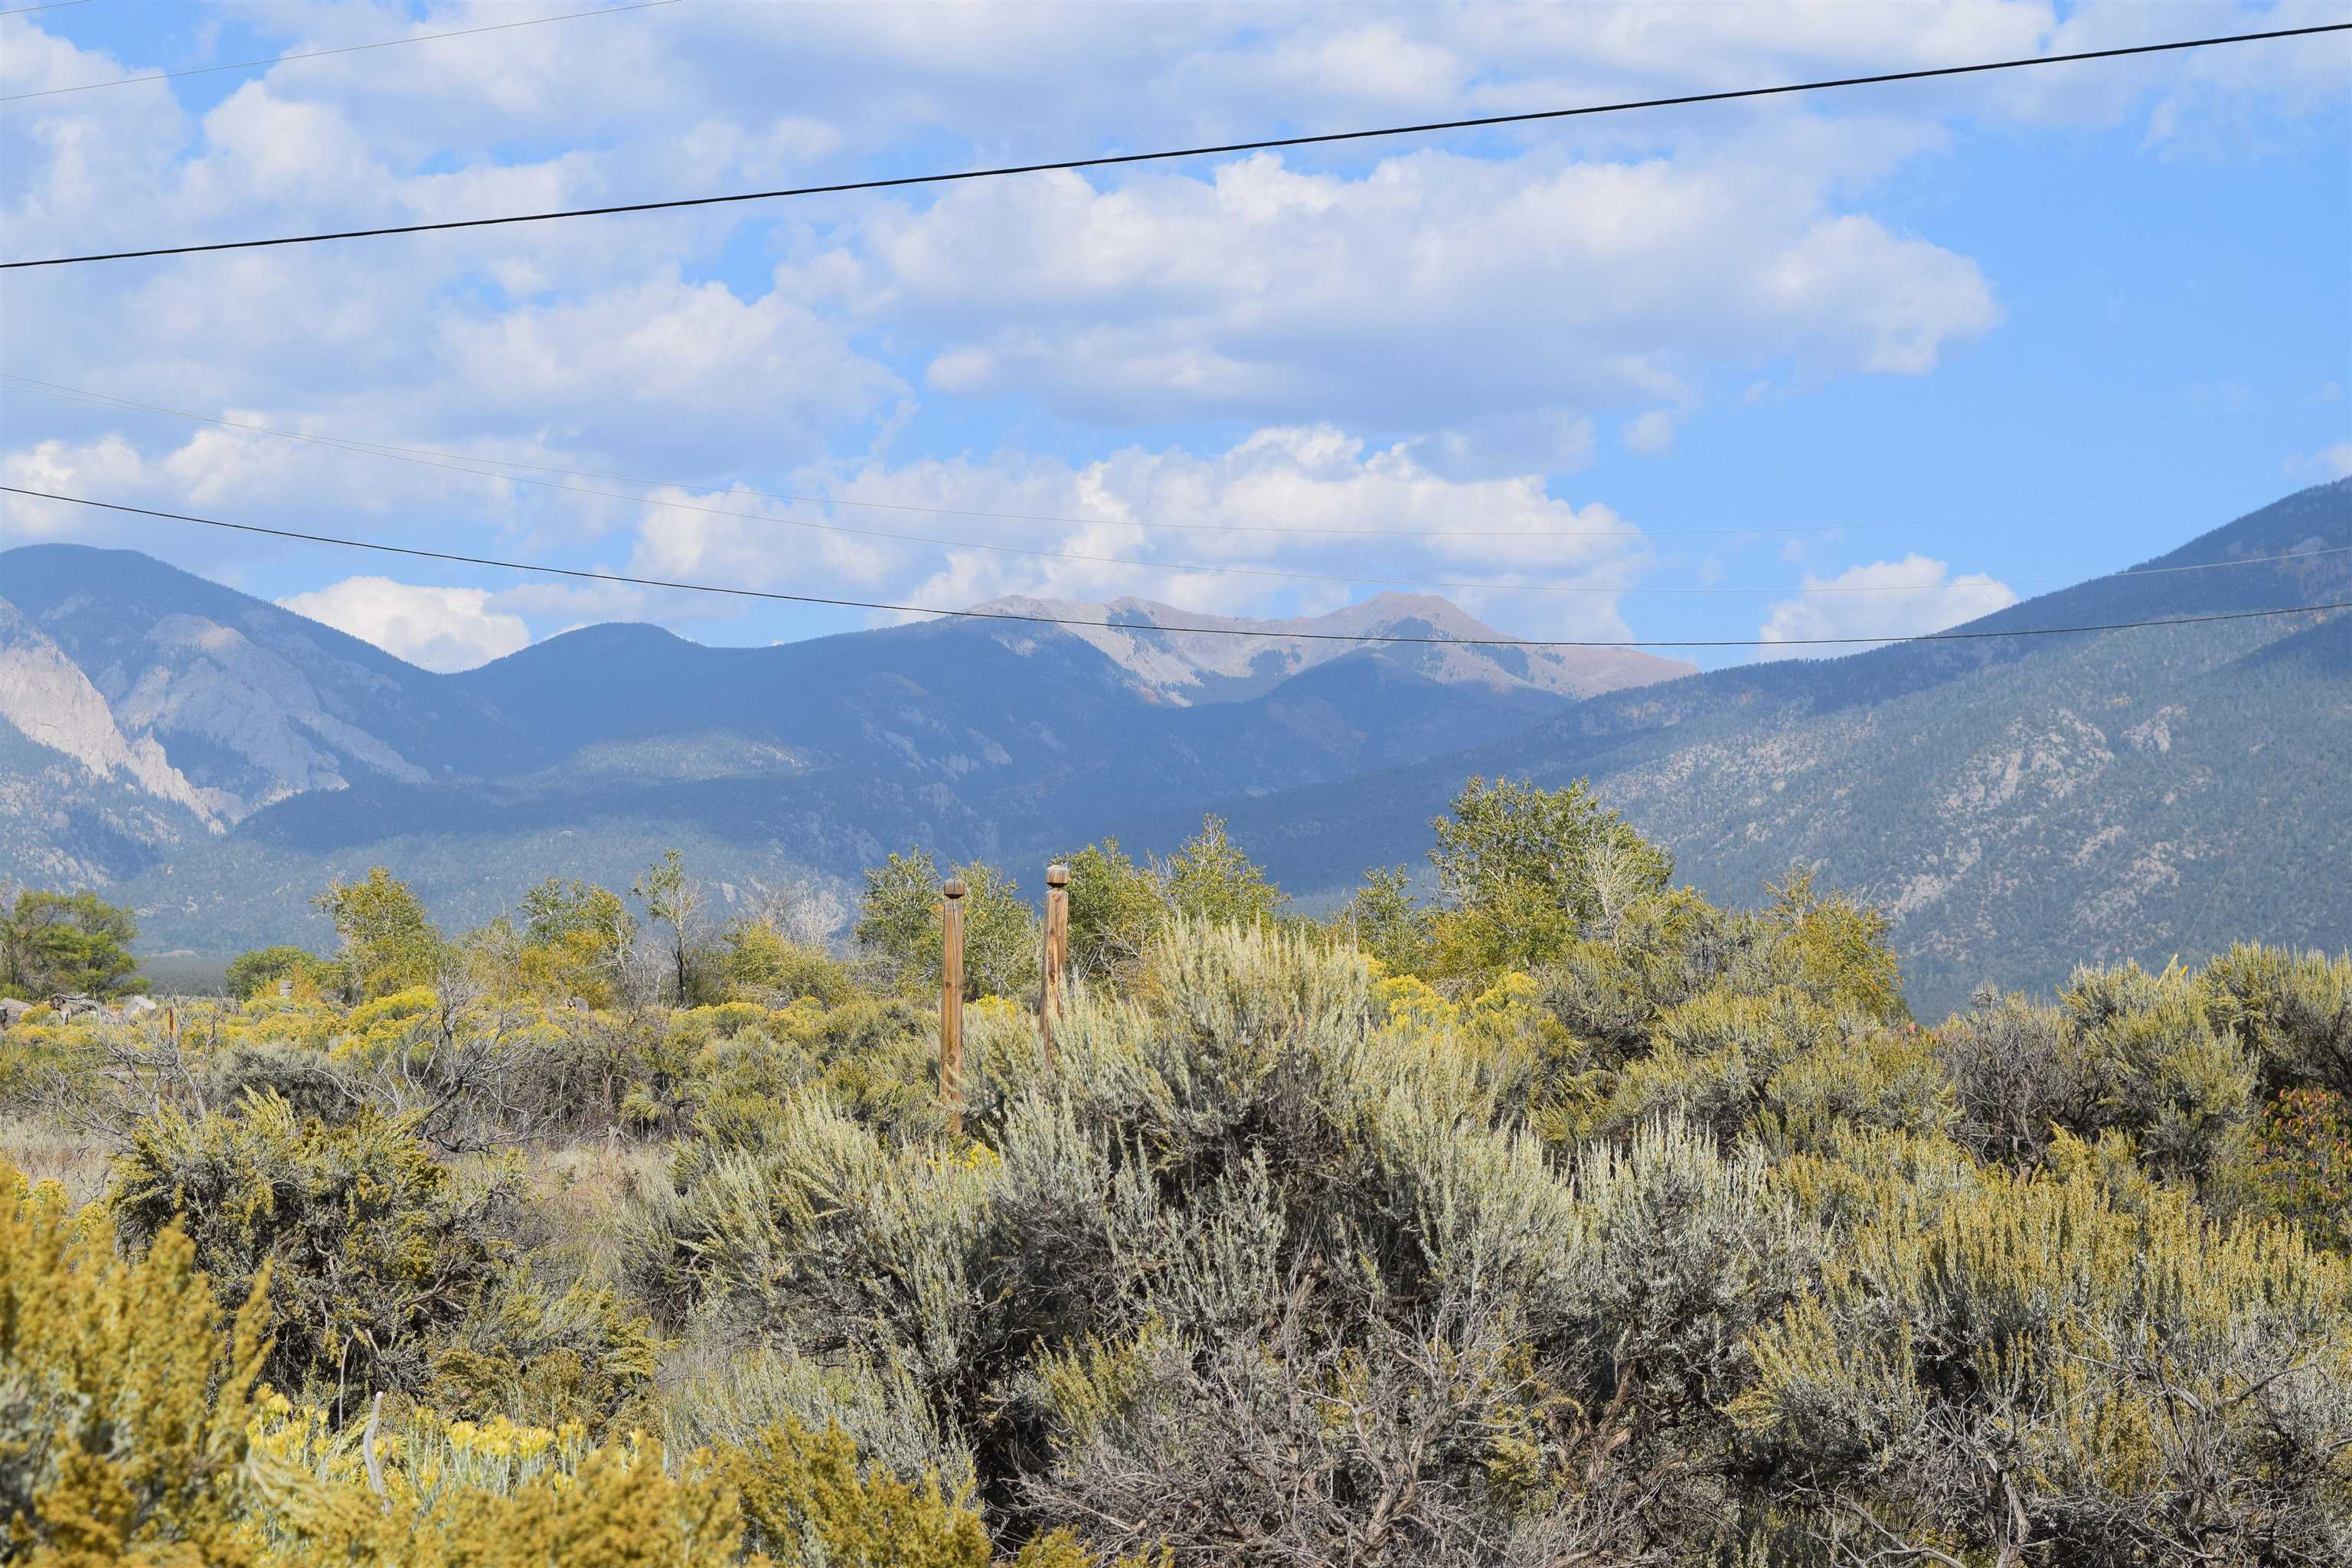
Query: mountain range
x=213, y=759
x=2017, y=805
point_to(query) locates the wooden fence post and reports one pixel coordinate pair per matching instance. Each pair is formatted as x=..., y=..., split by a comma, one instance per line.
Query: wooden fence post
x=951, y=1004
x=1057, y=953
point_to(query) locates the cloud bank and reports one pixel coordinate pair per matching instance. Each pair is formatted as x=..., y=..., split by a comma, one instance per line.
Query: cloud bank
x=439, y=629
x=1882, y=600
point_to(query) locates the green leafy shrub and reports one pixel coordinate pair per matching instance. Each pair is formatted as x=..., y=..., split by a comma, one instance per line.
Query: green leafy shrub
x=2027, y=1364
x=2124, y=1050
x=455, y=1495
x=2298, y=1164
x=310, y=1082
x=122, y=1422
x=874, y=1056
x=377, y=1250
x=807, y=1500
x=720, y=1398
x=2021, y=1073
x=542, y=1357
x=2292, y=1011
x=251, y=974
x=761, y=963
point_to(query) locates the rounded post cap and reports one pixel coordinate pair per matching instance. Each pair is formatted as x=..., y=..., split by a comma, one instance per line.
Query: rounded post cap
x=1057, y=875
x=954, y=887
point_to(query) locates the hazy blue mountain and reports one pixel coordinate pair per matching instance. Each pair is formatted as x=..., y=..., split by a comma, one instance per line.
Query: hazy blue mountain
x=213, y=759
x=1185, y=657
x=2019, y=805
x=251, y=702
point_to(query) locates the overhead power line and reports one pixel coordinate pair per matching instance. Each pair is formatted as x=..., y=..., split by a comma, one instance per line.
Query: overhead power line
x=457, y=463
x=317, y=53
x=1263, y=144
x=52, y=5
x=977, y=615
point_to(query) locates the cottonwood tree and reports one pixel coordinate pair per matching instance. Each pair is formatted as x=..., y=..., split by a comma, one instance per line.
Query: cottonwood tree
x=1211, y=879
x=251, y=974
x=69, y=943
x=578, y=939
x=1386, y=921
x=1522, y=871
x=387, y=943
x=1116, y=906
x=674, y=900
x=898, y=922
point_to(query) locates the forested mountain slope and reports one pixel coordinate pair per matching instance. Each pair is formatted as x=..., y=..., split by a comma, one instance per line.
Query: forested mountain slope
x=2019, y=805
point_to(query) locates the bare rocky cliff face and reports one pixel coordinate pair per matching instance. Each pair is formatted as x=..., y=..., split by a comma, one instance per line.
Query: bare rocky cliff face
x=81, y=802
x=52, y=703
x=200, y=696
x=212, y=688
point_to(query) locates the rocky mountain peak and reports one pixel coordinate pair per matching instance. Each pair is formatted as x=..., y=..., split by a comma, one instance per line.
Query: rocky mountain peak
x=1189, y=656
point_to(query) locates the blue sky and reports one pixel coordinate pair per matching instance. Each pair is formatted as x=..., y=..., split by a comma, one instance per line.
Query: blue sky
x=1930, y=346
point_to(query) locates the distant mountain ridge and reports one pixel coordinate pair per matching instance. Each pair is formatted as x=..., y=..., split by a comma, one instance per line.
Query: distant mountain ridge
x=257, y=701
x=210, y=756
x=2132, y=794
x=214, y=759
x=1189, y=656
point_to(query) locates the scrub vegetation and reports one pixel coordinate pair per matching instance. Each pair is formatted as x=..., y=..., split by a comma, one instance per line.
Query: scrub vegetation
x=1564, y=1219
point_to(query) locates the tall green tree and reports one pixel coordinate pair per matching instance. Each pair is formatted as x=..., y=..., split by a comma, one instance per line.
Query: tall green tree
x=1115, y=907
x=1521, y=871
x=251, y=974
x=556, y=909
x=1563, y=842
x=899, y=914
x=1211, y=879
x=388, y=943
x=68, y=942
x=576, y=940
x=1386, y=921
x=898, y=921
x=674, y=899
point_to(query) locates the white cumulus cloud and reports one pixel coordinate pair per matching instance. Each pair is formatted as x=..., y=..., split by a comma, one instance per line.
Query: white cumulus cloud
x=1651, y=432
x=439, y=629
x=1882, y=600
x=2335, y=461
x=1477, y=313
x=1286, y=513
x=1433, y=290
